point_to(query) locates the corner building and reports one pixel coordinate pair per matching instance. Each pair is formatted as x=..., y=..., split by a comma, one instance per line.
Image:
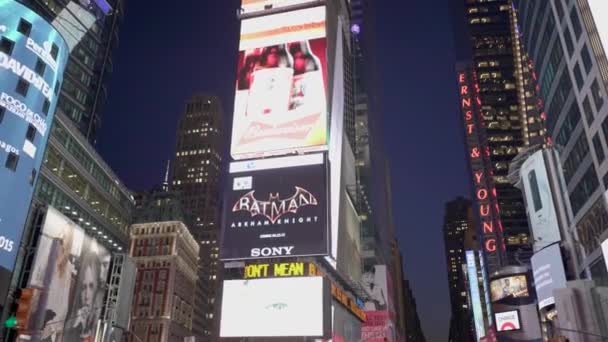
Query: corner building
x=167, y=270
x=321, y=36
x=511, y=117
x=196, y=177
x=568, y=42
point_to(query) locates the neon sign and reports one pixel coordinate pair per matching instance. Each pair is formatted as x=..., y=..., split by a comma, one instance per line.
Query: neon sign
x=479, y=157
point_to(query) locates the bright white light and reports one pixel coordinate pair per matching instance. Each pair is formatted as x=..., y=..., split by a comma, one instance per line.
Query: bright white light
x=272, y=307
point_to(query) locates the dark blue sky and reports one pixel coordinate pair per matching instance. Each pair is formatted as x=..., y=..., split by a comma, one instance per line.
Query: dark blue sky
x=166, y=53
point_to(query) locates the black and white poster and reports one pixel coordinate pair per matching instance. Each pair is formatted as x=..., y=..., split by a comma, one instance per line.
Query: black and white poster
x=276, y=212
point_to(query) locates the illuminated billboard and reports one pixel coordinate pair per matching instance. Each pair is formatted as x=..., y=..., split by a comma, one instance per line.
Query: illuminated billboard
x=280, y=104
x=507, y=321
x=70, y=270
x=248, y=6
x=32, y=59
x=276, y=307
x=480, y=329
x=539, y=201
x=275, y=212
x=549, y=274
x=379, y=310
x=515, y=286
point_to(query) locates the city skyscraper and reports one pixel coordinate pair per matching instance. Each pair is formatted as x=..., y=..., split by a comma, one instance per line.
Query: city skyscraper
x=506, y=118
x=196, y=177
x=566, y=42
x=458, y=220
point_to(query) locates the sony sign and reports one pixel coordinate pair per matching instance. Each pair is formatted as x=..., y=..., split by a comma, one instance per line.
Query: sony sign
x=271, y=251
x=276, y=212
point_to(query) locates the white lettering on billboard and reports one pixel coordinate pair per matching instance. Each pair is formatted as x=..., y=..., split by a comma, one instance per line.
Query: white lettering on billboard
x=44, y=52
x=26, y=73
x=506, y=321
x=248, y=6
x=21, y=110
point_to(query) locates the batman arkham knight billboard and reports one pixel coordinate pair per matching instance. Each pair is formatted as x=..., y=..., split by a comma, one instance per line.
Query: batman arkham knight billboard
x=279, y=212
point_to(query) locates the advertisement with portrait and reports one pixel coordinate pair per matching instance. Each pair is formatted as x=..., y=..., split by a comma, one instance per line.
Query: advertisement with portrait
x=280, y=103
x=515, y=286
x=379, y=310
x=249, y=6
x=276, y=307
x=31, y=73
x=549, y=274
x=276, y=212
x=70, y=271
x=539, y=201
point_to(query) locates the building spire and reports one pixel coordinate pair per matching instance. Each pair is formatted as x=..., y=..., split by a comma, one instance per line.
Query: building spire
x=166, y=181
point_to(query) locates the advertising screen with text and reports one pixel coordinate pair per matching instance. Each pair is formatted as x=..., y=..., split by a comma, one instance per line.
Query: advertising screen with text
x=275, y=212
x=280, y=104
x=515, y=286
x=31, y=74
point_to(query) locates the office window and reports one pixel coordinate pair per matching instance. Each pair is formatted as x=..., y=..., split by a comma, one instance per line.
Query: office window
x=588, y=110
x=32, y=177
x=568, y=126
x=578, y=75
x=584, y=189
x=575, y=158
x=586, y=57
x=2, y=110
x=40, y=67
x=45, y=106
x=598, y=98
x=24, y=27
x=599, y=150
x=569, y=44
x=31, y=133
x=54, y=51
x=6, y=45
x=11, y=161
x=22, y=87
x=576, y=23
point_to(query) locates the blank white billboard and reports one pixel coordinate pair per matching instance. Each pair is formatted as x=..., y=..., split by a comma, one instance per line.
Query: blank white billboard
x=599, y=9
x=275, y=307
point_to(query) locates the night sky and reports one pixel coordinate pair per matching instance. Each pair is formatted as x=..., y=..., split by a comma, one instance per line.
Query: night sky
x=167, y=53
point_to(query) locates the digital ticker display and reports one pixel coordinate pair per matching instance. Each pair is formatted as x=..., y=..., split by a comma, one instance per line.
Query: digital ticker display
x=31, y=74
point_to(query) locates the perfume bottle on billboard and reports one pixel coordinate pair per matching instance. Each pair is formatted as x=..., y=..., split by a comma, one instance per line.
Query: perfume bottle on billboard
x=308, y=89
x=271, y=83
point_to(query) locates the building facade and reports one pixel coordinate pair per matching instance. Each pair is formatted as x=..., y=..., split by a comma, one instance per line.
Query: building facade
x=166, y=255
x=565, y=40
x=458, y=220
x=510, y=117
x=196, y=177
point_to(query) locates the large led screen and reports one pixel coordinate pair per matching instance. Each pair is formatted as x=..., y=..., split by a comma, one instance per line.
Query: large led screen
x=549, y=274
x=515, y=286
x=280, y=103
x=599, y=10
x=70, y=271
x=480, y=329
x=539, y=201
x=248, y=6
x=280, y=212
x=32, y=60
x=275, y=307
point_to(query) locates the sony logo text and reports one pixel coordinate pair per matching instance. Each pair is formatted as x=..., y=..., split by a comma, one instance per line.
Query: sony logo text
x=271, y=251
